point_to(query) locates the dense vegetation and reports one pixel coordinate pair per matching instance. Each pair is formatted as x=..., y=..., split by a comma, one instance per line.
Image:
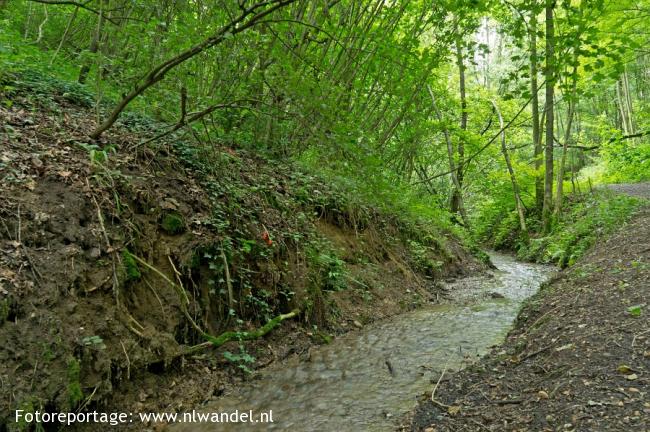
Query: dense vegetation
x=415, y=106
x=329, y=139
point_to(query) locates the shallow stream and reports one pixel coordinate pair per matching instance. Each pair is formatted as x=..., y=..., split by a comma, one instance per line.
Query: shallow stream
x=367, y=379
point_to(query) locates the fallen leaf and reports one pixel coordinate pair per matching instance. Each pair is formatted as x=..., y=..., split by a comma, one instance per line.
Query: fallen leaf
x=65, y=174
x=631, y=377
x=542, y=394
x=564, y=347
x=625, y=369
x=635, y=310
x=453, y=410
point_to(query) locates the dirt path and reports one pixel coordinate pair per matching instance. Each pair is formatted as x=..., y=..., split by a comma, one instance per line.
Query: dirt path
x=578, y=358
x=640, y=190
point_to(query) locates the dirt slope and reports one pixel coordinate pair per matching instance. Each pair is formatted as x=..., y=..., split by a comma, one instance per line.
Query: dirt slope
x=578, y=358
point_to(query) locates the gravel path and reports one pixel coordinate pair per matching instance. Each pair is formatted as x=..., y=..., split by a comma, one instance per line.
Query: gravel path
x=641, y=190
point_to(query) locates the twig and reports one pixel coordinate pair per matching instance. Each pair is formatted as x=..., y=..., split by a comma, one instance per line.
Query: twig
x=88, y=399
x=116, y=284
x=534, y=353
x=73, y=3
x=509, y=402
x=19, y=227
x=433, y=392
x=128, y=362
x=178, y=278
x=31, y=386
x=162, y=307
x=231, y=296
x=38, y=277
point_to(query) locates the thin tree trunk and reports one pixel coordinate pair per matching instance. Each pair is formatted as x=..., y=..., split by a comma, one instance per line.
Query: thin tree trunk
x=40, y=27
x=456, y=198
x=567, y=136
x=452, y=165
x=628, y=101
x=537, y=142
x=550, y=92
x=515, y=186
x=65, y=34
x=94, y=44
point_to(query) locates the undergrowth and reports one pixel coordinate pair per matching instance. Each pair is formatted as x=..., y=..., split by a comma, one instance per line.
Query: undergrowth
x=586, y=217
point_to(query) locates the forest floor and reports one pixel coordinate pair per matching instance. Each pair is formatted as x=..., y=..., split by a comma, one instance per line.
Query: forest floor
x=578, y=358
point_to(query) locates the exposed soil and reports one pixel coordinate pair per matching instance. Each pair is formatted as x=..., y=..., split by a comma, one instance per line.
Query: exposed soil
x=578, y=358
x=81, y=328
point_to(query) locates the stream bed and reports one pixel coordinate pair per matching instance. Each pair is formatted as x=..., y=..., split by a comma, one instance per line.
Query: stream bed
x=367, y=380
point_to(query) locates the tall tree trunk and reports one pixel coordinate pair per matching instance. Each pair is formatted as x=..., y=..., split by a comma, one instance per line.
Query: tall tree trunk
x=567, y=136
x=549, y=113
x=515, y=186
x=537, y=142
x=628, y=101
x=94, y=45
x=550, y=92
x=65, y=34
x=456, y=198
x=452, y=164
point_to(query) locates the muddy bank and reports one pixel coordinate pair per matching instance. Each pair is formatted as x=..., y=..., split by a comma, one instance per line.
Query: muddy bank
x=577, y=360
x=115, y=257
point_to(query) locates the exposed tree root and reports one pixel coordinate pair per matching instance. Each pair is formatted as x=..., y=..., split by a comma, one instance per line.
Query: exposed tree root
x=235, y=335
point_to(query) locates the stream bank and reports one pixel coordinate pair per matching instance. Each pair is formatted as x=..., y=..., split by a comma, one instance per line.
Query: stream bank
x=366, y=380
x=578, y=358
x=116, y=256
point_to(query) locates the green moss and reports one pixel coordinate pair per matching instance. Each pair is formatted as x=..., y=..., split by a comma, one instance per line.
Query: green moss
x=75, y=394
x=130, y=266
x=172, y=223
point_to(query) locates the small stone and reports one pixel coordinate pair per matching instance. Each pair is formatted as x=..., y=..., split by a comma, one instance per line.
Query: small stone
x=542, y=394
x=94, y=253
x=357, y=324
x=631, y=377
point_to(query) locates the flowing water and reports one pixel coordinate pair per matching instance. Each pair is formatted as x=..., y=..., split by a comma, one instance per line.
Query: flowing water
x=366, y=380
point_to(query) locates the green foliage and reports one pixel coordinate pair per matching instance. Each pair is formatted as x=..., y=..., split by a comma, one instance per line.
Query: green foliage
x=585, y=221
x=635, y=310
x=130, y=266
x=172, y=223
x=94, y=342
x=243, y=360
x=328, y=271
x=626, y=161
x=422, y=256
x=74, y=391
